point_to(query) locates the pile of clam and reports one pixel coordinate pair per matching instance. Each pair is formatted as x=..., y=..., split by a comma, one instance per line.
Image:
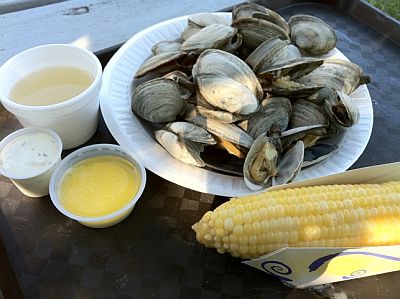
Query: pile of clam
x=254, y=88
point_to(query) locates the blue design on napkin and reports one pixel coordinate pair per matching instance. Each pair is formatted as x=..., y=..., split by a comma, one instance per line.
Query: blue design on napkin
x=277, y=270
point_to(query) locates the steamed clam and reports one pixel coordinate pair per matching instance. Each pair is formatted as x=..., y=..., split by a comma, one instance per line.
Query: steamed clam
x=226, y=94
x=214, y=36
x=200, y=20
x=273, y=116
x=337, y=74
x=184, y=141
x=226, y=64
x=264, y=118
x=254, y=31
x=342, y=110
x=260, y=163
x=317, y=153
x=165, y=47
x=159, y=100
x=256, y=24
x=306, y=113
x=162, y=63
x=290, y=165
x=311, y=34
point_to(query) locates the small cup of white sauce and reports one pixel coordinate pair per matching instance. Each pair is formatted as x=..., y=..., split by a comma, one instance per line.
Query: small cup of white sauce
x=28, y=158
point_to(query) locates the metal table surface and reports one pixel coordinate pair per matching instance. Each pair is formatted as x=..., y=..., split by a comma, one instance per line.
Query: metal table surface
x=154, y=253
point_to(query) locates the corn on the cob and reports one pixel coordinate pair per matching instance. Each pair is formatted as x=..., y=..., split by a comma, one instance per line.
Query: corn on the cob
x=321, y=216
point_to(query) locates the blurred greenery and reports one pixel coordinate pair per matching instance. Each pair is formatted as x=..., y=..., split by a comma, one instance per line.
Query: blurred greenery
x=391, y=7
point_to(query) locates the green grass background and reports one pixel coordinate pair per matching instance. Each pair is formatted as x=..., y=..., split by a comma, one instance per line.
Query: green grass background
x=391, y=7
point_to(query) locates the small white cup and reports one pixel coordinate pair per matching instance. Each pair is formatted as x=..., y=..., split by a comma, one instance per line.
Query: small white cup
x=89, y=152
x=35, y=184
x=74, y=120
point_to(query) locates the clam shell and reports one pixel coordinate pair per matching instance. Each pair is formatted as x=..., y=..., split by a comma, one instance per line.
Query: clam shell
x=293, y=135
x=291, y=69
x=206, y=19
x=190, y=132
x=322, y=95
x=341, y=110
x=221, y=116
x=185, y=151
x=288, y=52
x=189, y=31
x=214, y=36
x=337, y=74
x=201, y=20
x=306, y=113
x=253, y=10
x=226, y=64
x=226, y=94
x=290, y=165
x=271, y=52
x=318, y=153
x=273, y=114
x=255, y=31
x=158, y=100
x=260, y=163
x=183, y=80
x=289, y=89
x=229, y=132
x=311, y=34
x=264, y=53
x=165, y=47
x=161, y=63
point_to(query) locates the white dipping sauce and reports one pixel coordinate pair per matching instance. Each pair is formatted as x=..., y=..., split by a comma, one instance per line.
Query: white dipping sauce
x=29, y=154
x=28, y=158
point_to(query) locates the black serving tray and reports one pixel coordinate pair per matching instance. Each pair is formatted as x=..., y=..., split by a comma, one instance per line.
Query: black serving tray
x=154, y=253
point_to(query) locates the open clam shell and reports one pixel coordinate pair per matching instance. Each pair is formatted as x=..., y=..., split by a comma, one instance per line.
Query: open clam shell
x=205, y=19
x=290, y=165
x=291, y=136
x=229, y=132
x=183, y=150
x=291, y=69
x=201, y=20
x=317, y=153
x=337, y=74
x=219, y=115
x=341, y=110
x=161, y=63
x=273, y=114
x=255, y=31
x=260, y=163
x=253, y=10
x=287, y=88
x=190, y=132
x=214, y=36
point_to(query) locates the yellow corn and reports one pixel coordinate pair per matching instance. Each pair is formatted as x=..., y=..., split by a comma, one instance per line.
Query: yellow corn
x=321, y=216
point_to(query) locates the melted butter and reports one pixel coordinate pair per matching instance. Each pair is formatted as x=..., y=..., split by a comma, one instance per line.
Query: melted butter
x=99, y=186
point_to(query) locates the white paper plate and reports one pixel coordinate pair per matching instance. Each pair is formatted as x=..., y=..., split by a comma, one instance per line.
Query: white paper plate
x=129, y=131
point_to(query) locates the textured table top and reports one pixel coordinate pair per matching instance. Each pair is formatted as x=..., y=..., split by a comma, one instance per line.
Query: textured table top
x=153, y=253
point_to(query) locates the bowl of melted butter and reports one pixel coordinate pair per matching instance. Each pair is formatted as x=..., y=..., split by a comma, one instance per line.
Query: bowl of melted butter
x=98, y=185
